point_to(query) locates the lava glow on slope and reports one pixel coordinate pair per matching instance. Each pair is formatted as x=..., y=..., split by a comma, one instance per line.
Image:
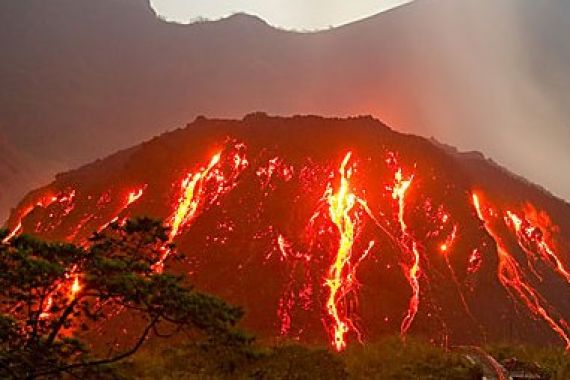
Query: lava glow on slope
x=200, y=190
x=412, y=266
x=43, y=202
x=340, y=279
x=513, y=279
x=321, y=254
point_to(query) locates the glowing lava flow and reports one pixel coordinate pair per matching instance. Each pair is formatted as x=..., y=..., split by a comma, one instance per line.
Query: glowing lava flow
x=191, y=195
x=340, y=279
x=293, y=295
x=340, y=205
x=512, y=278
x=188, y=203
x=412, y=271
x=530, y=235
x=132, y=197
x=72, y=288
x=44, y=202
x=195, y=196
x=445, y=249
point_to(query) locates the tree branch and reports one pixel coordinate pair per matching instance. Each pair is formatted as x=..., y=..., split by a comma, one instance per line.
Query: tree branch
x=94, y=363
x=61, y=321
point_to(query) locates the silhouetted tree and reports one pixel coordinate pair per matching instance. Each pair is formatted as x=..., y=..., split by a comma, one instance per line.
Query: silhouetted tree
x=51, y=294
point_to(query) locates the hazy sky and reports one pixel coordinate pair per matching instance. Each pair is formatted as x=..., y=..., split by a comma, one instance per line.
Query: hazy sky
x=289, y=14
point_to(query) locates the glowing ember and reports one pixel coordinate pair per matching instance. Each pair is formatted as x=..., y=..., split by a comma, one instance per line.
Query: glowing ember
x=75, y=287
x=475, y=262
x=275, y=168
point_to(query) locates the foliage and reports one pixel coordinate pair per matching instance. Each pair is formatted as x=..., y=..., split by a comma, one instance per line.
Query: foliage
x=554, y=361
x=389, y=359
x=52, y=294
x=216, y=361
x=413, y=359
x=299, y=362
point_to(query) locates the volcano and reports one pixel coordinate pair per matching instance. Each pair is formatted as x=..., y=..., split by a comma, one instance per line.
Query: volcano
x=334, y=231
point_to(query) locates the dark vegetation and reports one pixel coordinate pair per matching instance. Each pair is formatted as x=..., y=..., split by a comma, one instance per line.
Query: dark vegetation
x=45, y=319
x=388, y=359
x=550, y=362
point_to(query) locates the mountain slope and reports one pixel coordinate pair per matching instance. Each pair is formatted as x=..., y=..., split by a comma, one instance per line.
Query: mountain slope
x=334, y=230
x=485, y=75
x=17, y=173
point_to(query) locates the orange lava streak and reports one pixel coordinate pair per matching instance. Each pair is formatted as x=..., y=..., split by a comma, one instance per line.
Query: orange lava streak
x=512, y=278
x=191, y=195
x=413, y=270
x=13, y=233
x=399, y=193
x=445, y=249
x=44, y=202
x=475, y=261
x=188, y=203
x=529, y=235
x=448, y=244
x=195, y=195
x=413, y=278
x=293, y=296
x=75, y=287
x=340, y=205
x=134, y=196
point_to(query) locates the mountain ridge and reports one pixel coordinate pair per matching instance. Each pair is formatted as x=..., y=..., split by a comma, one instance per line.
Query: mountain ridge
x=72, y=91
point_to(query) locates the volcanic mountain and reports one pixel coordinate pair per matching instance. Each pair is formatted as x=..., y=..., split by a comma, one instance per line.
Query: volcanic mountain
x=479, y=74
x=334, y=230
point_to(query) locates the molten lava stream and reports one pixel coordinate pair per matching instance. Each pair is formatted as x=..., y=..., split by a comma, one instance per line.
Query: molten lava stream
x=132, y=197
x=75, y=285
x=340, y=205
x=44, y=202
x=412, y=269
x=190, y=198
x=340, y=279
x=530, y=235
x=192, y=187
x=513, y=280
x=194, y=196
x=445, y=249
x=293, y=294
